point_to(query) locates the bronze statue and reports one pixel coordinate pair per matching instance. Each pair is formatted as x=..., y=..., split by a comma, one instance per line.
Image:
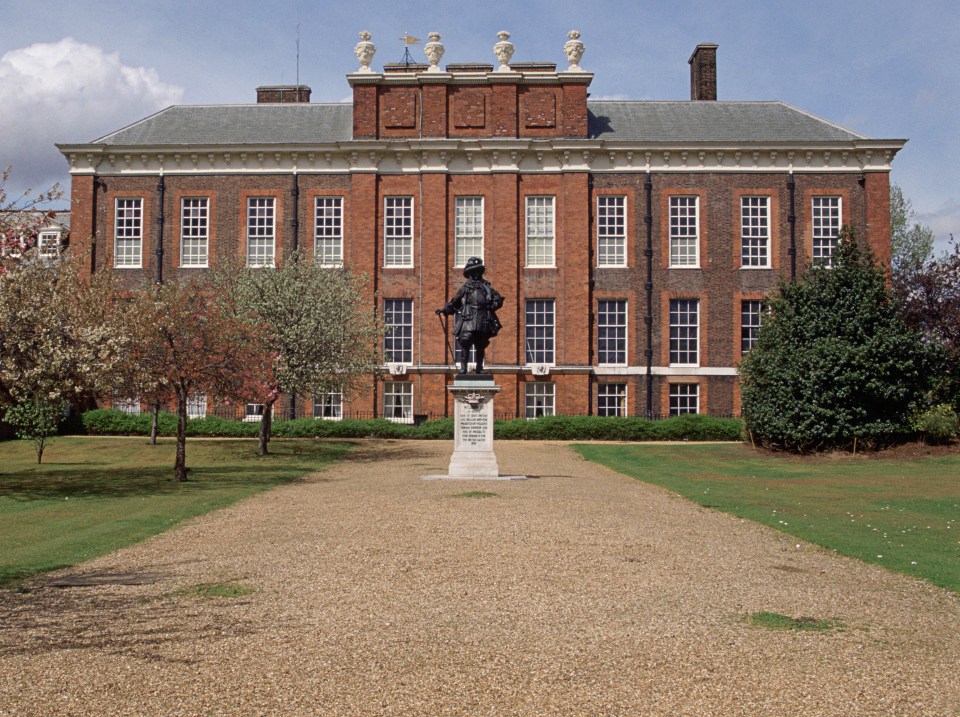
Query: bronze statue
x=475, y=306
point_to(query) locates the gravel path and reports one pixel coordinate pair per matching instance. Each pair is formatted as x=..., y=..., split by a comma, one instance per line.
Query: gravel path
x=577, y=592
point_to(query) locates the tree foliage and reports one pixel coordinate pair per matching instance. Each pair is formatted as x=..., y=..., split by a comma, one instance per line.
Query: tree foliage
x=911, y=243
x=319, y=333
x=56, y=335
x=929, y=292
x=834, y=362
x=36, y=420
x=187, y=338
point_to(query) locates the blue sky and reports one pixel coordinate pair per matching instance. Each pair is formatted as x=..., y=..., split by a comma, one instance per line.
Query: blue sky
x=73, y=71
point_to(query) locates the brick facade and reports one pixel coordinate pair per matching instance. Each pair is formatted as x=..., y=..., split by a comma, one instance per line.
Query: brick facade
x=508, y=138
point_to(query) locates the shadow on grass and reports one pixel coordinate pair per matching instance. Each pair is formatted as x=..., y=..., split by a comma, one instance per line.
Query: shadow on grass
x=213, y=467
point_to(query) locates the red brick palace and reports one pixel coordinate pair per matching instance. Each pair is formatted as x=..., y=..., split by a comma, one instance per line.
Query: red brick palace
x=634, y=241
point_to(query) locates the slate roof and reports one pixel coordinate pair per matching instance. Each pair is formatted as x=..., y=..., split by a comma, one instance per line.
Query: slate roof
x=617, y=120
x=239, y=124
x=650, y=121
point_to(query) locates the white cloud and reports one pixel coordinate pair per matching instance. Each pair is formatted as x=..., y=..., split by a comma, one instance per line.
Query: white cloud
x=66, y=92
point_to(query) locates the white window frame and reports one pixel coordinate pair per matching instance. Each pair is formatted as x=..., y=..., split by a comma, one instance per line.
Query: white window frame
x=253, y=412
x=540, y=334
x=611, y=230
x=330, y=405
x=826, y=220
x=684, y=216
x=471, y=356
x=679, y=344
x=540, y=222
x=398, y=337
x=261, y=232
x=612, y=396
x=126, y=404
x=398, y=401
x=539, y=390
x=128, y=233
x=328, y=231
x=683, y=397
x=398, y=216
x=750, y=309
x=197, y=405
x=616, y=331
x=467, y=229
x=755, y=232
x=195, y=232
x=45, y=239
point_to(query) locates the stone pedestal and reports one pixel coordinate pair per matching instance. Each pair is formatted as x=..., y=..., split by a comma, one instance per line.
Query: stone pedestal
x=473, y=456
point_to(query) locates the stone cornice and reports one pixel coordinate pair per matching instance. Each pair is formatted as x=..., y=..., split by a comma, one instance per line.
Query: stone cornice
x=468, y=156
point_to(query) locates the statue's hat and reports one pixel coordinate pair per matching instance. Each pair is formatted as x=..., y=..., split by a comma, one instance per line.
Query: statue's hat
x=474, y=263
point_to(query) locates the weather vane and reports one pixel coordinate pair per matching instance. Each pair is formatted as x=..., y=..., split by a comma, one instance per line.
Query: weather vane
x=408, y=40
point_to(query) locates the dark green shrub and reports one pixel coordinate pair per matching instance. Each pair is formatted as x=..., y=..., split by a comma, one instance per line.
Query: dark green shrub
x=547, y=428
x=214, y=426
x=629, y=428
x=834, y=363
x=440, y=429
x=111, y=422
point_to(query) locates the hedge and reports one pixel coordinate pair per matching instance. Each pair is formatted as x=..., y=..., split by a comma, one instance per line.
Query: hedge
x=565, y=428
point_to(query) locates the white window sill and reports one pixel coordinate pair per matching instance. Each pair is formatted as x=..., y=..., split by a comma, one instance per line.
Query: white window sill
x=684, y=266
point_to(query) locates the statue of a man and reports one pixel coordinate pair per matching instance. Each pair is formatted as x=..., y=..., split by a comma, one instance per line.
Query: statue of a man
x=475, y=306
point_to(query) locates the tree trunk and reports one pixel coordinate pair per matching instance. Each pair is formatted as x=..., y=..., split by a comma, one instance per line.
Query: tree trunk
x=180, y=465
x=266, y=421
x=40, y=447
x=155, y=424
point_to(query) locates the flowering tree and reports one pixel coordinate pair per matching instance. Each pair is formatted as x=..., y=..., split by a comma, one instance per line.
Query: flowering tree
x=56, y=338
x=186, y=339
x=322, y=335
x=20, y=220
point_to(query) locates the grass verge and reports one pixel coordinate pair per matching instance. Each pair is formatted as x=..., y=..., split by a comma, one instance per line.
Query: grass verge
x=95, y=495
x=776, y=621
x=215, y=590
x=902, y=513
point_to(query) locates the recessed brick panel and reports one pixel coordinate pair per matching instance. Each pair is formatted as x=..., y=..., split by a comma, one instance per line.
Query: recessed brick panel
x=399, y=109
x=539, y=110
x=470, y=110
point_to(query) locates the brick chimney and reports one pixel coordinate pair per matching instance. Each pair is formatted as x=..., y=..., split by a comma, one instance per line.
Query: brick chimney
x=277, y=94
x=703, y=72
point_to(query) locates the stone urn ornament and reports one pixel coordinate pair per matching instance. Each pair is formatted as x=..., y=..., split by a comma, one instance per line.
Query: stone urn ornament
x=573, y=49
x=434, y=51
x=504, y=51
x=365, y=50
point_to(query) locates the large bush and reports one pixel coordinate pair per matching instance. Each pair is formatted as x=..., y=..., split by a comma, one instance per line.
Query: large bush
x=834, y=362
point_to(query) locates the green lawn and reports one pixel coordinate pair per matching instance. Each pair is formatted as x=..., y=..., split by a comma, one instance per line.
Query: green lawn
x=901, y=513
x=94, y=495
